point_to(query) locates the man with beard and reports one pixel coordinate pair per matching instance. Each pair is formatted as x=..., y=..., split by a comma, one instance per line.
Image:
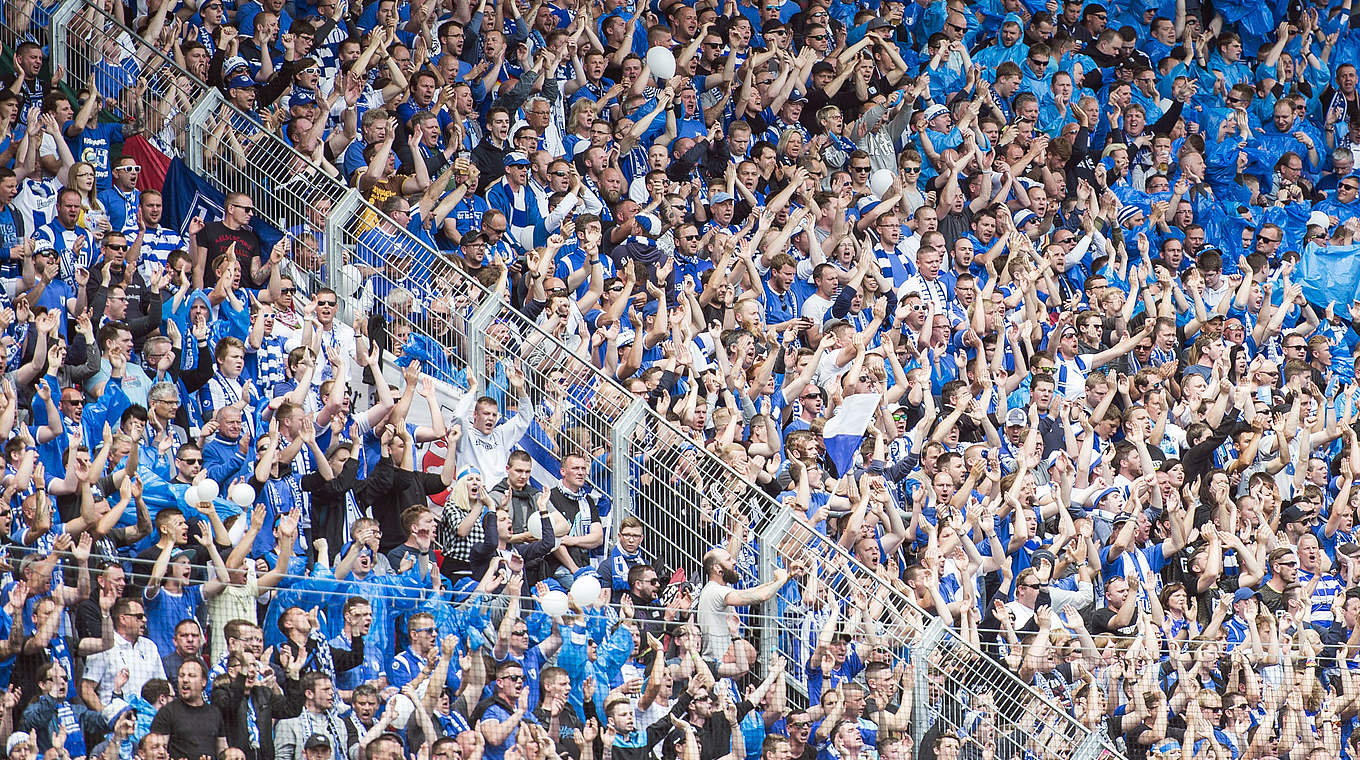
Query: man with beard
x=720, y=592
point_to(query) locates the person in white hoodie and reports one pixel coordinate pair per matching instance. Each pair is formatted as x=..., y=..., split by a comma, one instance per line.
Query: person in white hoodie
x=484, y=444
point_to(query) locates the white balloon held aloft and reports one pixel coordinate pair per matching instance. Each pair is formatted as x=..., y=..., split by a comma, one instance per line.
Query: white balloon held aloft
x=662, y=62
x=192, y=497
x=585, y=591
x=241, y=494
x=207, y=489
x=880, y=182
x=554, y=603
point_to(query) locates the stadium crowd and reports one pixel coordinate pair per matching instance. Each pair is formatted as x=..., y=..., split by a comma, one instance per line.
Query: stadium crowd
x=1093, y=264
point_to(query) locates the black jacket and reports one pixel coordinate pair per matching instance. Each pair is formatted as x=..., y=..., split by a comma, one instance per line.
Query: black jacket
x=230, y=696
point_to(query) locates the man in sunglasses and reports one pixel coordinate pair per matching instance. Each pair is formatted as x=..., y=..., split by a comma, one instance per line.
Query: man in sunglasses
x=213, y=239
x=121, y=200
x=502, y=712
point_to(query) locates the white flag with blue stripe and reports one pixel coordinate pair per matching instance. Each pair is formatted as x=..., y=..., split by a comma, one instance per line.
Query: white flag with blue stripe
x=844, y=432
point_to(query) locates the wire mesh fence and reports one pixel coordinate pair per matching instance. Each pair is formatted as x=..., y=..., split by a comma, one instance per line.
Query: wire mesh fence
x=461, y=325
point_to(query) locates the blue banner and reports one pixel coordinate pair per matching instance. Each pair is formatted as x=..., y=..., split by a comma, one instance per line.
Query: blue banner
x=187, y=195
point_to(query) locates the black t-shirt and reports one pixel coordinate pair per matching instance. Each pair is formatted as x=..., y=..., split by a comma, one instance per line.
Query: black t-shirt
x=217, y=237
x=1102, y=622
x=193, y=731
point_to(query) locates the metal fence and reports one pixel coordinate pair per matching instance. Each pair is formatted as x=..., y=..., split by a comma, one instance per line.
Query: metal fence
x=471, y=337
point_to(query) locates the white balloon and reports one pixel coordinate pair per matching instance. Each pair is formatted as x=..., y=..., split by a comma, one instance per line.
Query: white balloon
x=880, y=182
x=585, y=591
x=241, y=494
x=192, y=497
x=662, y=62
x=207, y=489
x=554, y=603
x=561, y=526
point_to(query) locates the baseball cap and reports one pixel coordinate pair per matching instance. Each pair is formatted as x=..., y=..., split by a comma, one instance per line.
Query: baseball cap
x=1292, y=514
x=317, y=741
x=720, y=197
x=240, y=82
x=878, y=23
x=1016, y=418
x=1243, y=594
x=1320, y=219
x=515, y=158
x=1024, y=216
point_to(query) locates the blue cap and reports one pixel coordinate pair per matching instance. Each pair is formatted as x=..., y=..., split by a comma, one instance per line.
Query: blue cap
x=720, y=197
x=515, y=158
x=240, y=81
x=1243, y=594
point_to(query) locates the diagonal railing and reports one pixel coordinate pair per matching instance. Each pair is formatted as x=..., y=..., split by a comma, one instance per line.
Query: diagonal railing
x=646, y=464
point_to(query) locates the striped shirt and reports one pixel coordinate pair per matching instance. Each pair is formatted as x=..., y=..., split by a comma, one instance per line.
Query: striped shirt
x=157, y=244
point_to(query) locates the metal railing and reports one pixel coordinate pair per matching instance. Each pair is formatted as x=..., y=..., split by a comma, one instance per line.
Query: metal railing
x=471, y=337
x=956, y=682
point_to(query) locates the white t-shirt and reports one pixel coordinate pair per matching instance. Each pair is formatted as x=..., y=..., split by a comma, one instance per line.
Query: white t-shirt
x=712, y=618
